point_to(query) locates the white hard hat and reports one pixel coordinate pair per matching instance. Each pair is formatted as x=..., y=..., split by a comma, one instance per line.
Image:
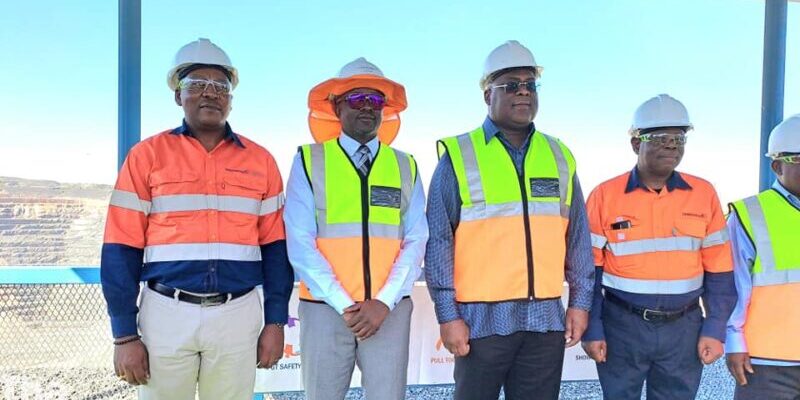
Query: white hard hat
x=201, y=51
x=785, y=138
x=660, y=112
x=359, y=66
x=510, y=54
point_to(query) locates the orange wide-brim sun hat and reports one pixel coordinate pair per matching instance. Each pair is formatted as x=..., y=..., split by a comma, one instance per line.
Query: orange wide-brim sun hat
x=322, y=119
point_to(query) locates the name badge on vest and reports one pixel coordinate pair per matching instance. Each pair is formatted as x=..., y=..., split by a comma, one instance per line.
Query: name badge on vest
x=544, y=187
x=383, y=196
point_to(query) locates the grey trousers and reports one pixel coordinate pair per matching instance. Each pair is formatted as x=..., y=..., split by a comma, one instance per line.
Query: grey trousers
x=329, y=353
x=770, y=383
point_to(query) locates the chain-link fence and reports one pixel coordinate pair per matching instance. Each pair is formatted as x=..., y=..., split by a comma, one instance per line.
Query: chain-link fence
x=55, y=343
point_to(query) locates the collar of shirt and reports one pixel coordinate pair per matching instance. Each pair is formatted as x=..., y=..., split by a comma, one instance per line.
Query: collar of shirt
x=351, y=146
x=184, y=129
x=794, y=200
x=491, y=130
x=675, y=181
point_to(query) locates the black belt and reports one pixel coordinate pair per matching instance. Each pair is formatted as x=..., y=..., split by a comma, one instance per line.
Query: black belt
x=204, y=301
x=651, y=315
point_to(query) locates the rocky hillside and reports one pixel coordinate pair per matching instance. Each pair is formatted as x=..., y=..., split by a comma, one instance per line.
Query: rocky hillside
x=51, y=223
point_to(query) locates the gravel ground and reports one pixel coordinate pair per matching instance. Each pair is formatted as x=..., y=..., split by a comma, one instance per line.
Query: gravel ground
x=95, y=384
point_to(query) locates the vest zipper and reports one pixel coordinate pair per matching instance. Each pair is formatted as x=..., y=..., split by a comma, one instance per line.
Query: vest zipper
x=365, y=236
x=527, y=223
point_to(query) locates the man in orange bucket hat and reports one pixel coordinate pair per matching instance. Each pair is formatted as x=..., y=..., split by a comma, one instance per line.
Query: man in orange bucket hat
x=356, y=227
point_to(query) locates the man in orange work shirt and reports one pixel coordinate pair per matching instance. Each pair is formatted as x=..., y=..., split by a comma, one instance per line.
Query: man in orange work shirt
x=659, y=243
x=196, y=214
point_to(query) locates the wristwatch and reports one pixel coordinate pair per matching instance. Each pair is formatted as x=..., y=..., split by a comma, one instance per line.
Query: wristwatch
x=278, y=324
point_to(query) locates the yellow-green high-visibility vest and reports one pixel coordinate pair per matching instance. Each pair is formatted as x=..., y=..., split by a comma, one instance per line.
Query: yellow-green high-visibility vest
x=510, y=243
x=773, y=226
x=359, y=219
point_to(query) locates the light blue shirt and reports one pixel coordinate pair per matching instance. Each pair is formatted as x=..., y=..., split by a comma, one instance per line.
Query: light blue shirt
x=743, y=257
x=312, y=267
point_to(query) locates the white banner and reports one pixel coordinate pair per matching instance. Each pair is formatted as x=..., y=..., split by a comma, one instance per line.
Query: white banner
x=428, y=361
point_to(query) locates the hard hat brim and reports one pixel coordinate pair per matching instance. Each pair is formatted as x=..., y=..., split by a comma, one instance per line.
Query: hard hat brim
x=537, y=73
x=172, y=75
x=634, y=131
x=322, y=119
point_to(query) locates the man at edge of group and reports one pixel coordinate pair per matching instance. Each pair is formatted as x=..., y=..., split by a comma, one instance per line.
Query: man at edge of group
x=196, y=215
x=508, y=224
x=763, y=352
x=356, y=233
x=659, y=243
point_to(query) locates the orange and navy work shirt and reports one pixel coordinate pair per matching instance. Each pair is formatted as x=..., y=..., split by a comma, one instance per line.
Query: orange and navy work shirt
x=662, y=249
x=199, y=221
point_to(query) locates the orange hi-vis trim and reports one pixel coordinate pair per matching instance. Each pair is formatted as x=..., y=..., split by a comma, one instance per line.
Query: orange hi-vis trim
x=179, y=202
x=657, y=242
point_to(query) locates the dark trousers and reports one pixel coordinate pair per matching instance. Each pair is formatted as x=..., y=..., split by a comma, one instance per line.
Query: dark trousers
x=770, y=382
x=526, y=364
x=662, y=353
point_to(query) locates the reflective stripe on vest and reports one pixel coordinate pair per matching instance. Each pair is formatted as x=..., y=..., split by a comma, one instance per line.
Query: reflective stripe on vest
x=358, y=215
x=517, y=224
x=772, y=224
x=666, y=252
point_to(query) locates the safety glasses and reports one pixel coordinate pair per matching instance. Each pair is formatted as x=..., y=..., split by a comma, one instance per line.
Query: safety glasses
x=788, y=158
x=513, y=87
x=357, y=101
x=663, y=139
x=199, y=86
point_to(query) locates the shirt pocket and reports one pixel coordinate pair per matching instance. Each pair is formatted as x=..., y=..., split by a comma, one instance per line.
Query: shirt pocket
x=171, y=215
x=690, y=227
x=167, y=182
x=243, y=185
x=246, y=194
x=689, y=233
x=622, y=241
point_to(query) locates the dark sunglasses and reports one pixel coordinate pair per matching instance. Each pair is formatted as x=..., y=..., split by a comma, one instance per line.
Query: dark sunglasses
x=513, y=87
x=357, y=101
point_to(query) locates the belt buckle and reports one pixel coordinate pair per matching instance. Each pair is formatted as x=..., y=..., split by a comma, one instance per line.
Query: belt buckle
x=210, y=301
x=644, y=314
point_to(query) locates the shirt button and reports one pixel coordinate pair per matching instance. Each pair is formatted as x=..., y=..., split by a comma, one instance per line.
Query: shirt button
x=213, y=236
x=213, y=212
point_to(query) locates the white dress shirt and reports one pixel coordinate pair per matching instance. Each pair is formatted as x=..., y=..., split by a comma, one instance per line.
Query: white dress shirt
x=312, y=267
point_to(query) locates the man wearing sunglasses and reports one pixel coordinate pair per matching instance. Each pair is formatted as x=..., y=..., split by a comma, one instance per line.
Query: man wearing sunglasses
x=508, y=225
x=356, y=233
x=659, y=243
x=196, y=215
x=763, y=353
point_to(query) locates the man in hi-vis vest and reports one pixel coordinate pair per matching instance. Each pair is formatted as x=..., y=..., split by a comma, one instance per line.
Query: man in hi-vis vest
x=762, y=348
x=356, y=233
x=508, y=225
x=659, y=243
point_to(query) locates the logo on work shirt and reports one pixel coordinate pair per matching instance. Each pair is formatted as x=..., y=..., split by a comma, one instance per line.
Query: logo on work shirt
x=688, y=214
x=244, y=171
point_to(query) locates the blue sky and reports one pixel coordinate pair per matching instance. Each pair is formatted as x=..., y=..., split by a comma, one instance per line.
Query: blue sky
x=601, y=59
